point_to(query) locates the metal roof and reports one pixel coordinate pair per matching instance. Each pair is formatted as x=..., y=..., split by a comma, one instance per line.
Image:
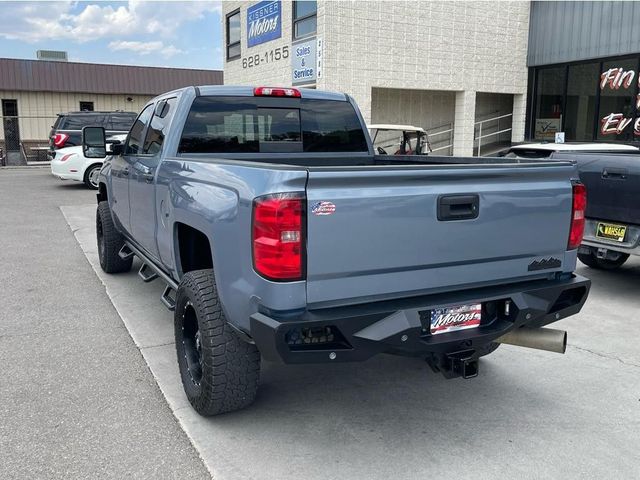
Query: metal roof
x=46, y=76
x=573, y=31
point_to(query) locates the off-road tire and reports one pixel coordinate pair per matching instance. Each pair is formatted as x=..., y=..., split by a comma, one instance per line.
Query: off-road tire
x=87, y=176
x=229, y=366
x=110, y=241
x=590, y=260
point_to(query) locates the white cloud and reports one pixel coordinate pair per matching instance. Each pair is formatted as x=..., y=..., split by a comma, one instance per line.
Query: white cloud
x=145, y=48
x=37, y=21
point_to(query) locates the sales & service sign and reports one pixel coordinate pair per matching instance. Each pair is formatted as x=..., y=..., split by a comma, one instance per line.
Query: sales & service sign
x=264, y=22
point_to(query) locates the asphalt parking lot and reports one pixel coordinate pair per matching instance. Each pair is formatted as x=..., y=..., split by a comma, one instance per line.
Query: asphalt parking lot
x=78, y=400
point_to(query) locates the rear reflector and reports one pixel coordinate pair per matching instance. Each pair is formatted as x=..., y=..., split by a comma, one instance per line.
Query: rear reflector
x=276, y=92
x=577, y=215
x=277, y=236
x=60, y=139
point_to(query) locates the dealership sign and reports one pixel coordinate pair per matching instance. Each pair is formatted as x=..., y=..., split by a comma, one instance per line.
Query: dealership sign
x=306, y=61
x=264, y=22
x=615, y=79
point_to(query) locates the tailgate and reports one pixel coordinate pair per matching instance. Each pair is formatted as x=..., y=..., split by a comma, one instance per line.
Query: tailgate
x=613, y=183
x=376, y=233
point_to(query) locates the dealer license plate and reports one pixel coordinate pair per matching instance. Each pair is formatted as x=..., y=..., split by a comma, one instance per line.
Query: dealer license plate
x=611, y=231
x=452, y=319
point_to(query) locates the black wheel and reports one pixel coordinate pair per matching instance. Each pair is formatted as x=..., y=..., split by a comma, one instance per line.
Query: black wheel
x=591, y=260
x=110, y=241
x=220, y=371
x=91, y=176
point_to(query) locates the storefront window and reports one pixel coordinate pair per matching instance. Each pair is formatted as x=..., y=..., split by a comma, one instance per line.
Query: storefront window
x=548, y=103
x=582, y=89
x=618, y=89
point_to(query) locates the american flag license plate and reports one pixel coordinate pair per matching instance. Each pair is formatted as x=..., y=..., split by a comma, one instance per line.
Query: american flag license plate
x=452, y=319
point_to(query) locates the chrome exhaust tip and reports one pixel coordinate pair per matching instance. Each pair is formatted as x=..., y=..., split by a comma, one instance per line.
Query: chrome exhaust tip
x=548, y=339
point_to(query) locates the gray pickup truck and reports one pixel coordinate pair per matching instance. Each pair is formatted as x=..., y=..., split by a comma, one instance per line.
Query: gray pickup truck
x=280, y=234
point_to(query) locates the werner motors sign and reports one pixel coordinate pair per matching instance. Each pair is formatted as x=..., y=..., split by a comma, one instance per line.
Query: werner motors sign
x=264, y=22
x=620, y=79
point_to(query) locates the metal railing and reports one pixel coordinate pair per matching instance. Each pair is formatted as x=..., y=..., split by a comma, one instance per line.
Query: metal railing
x=497, y=133
x=449, y=139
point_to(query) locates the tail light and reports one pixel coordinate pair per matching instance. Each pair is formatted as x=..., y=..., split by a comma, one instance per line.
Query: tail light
x=276, y=92
x=278, y=236
x=60, y=139
x=66, y=157
x=577, y=215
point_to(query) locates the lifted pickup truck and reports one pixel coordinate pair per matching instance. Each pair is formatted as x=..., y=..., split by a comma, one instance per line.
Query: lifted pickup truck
x=281, y=235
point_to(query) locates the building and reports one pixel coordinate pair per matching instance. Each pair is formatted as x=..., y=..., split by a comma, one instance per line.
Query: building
x=443, y=66
x=474, y=74
x=33, y=92
x=584, y=75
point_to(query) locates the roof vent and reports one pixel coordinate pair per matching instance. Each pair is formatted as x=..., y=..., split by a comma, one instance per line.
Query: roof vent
x=52, y=55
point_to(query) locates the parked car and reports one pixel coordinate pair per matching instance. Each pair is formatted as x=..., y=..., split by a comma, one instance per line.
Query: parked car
x=545, y=150
x=70, y=163
x=67, y=130
x=279, y=233
x=389, y=139
x=612, y=228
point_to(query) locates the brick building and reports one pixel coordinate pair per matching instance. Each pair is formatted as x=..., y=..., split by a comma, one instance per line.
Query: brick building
x=443, y=66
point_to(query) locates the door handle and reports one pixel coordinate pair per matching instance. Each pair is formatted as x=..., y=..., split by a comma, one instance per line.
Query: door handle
x=148, y=177
x=125, y=172
x=615, y=173
x=458, y=207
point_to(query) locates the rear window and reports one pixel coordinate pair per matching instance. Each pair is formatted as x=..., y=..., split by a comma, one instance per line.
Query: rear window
x=250, y=125
x=121, y=121
x=77, y=122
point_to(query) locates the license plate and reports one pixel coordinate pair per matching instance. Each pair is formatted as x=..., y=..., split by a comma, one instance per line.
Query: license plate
x=611, y=231
x=452, y=319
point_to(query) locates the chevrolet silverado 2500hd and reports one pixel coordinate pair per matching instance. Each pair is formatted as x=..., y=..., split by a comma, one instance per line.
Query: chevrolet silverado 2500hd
x=280, y=234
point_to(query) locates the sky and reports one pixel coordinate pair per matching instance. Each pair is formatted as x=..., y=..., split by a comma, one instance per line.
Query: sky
x=163, y=34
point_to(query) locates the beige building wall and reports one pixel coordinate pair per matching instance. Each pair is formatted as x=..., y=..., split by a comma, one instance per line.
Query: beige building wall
x=38, y=110
x=434, y=47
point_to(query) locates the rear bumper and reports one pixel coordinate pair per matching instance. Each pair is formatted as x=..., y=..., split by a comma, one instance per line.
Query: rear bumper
x=402, y=326
x=631, y=244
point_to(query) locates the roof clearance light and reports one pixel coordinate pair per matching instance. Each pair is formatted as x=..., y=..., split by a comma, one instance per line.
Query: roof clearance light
x=276, y=92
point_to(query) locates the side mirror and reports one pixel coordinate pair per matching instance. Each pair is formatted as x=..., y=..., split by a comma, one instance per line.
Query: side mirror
x=115, y=147
x=93, y=142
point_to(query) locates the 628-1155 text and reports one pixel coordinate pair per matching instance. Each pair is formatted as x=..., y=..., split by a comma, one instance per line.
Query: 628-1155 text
x=267, y=57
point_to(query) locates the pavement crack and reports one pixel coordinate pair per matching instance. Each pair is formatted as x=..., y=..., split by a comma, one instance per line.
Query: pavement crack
x=603, y=355
x=159, y=345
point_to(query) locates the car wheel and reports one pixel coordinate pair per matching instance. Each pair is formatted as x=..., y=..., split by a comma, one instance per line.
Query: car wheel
x=591, y=260
x=91, y=176
x=219, y=370
x=110, y=241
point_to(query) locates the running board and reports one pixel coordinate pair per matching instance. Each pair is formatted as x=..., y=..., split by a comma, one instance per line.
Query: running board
x=125, y=252
x=146, y=273
x=167, y=298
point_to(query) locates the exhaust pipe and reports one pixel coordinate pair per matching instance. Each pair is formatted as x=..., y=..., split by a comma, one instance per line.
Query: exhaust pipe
x=547, y=339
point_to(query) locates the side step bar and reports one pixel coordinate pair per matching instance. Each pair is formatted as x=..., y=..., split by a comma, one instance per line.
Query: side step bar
x=125, y=252
x=149, y=272
x=146, y=274
x=169, y=298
